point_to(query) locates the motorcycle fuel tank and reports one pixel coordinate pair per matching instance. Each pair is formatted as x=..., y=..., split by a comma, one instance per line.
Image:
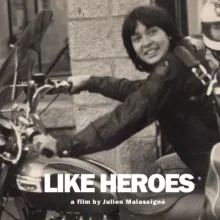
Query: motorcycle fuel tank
x=31, y=178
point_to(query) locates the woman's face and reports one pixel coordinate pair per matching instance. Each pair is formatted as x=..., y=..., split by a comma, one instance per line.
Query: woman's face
x=150, y=44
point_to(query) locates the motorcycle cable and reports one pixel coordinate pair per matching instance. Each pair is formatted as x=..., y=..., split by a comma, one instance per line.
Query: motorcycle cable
x=49, y=104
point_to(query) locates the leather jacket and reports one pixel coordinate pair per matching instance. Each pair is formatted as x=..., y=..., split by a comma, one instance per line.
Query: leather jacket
x=171, y=95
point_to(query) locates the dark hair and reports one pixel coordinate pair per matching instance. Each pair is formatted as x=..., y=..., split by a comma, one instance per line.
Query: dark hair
x=149, y=16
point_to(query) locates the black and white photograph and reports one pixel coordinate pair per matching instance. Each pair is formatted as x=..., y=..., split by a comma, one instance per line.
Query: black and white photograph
x=110, y=110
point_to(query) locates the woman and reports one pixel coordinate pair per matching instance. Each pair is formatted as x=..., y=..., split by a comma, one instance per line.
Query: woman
x=171, y=94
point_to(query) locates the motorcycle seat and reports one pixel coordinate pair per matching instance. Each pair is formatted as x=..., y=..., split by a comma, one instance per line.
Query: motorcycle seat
x=169, y=164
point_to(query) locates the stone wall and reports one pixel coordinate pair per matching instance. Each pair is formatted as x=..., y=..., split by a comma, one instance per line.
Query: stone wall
x=96, y=48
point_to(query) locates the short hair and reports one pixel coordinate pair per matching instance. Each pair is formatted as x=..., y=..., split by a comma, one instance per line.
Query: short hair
x=149, y=16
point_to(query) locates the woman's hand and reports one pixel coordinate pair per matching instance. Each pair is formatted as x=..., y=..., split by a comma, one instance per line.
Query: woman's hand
x=196, y=45
x=78, y=83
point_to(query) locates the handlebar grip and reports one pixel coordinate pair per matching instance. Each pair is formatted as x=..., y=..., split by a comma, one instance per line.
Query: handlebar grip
x=60, y=86
x=47, y=153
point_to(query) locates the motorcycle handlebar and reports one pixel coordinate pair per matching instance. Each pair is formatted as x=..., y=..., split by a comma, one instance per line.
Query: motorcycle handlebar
x=55, y=87
x=52, y=87
x=60, y=86
x=47, y=153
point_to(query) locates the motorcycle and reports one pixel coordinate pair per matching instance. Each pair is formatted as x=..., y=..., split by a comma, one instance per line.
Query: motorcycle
x=23, y=169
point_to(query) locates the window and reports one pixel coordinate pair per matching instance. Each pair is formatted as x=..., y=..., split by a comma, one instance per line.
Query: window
x=194, y=9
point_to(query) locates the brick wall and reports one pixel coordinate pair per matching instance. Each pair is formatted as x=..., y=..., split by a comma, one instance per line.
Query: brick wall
x=96, y=48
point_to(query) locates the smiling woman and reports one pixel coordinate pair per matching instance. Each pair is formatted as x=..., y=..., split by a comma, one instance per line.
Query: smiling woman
x=171, y=95
x=150, y=44
x=148, y=34
x=167, y=96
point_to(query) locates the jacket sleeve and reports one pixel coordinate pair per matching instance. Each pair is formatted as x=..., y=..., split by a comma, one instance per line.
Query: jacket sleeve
x=114, y=88
x=139, y=109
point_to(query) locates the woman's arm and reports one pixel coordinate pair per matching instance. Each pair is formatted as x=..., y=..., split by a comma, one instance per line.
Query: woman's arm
x=111, y=87
x=140, y=109
x=114, y=88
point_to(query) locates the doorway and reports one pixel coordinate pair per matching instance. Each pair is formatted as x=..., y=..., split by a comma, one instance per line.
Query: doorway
x=178, y=11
